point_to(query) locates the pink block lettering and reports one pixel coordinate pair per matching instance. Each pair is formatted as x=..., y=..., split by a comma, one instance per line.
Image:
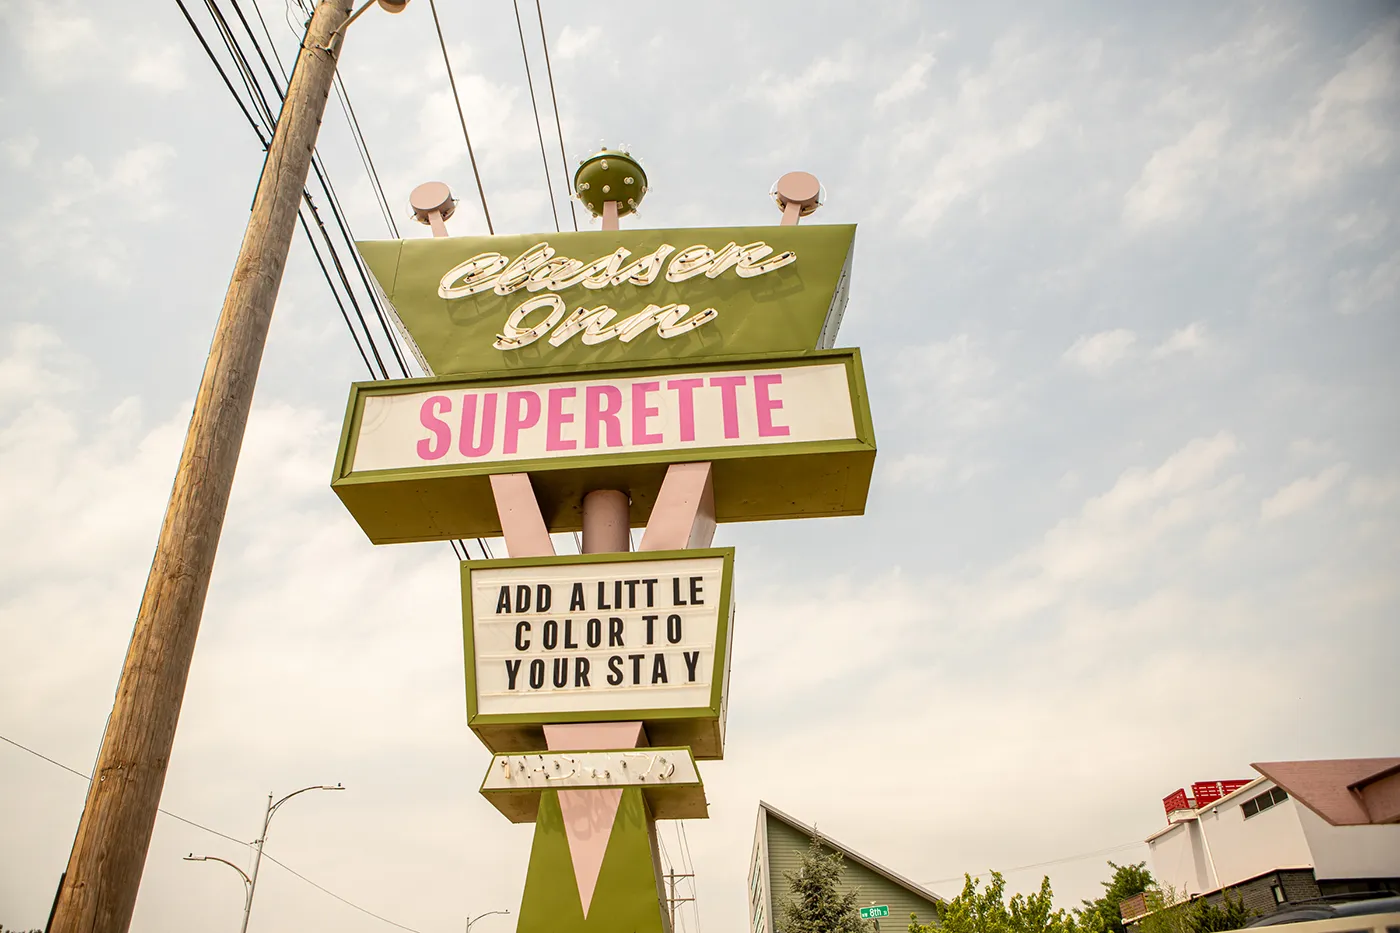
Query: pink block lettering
x=431, y=448
x=601, y=405
x=641, y=414
x=522, y=413
x=685, y=396
x=729, y=396
x=557, y=418
x=465, y=440
x=766, y=406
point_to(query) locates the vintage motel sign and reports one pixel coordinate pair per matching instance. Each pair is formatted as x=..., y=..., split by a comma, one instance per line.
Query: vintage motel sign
x=687, y=377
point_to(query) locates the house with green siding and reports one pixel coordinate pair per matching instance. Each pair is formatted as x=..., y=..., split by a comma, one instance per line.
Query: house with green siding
x=778, y=845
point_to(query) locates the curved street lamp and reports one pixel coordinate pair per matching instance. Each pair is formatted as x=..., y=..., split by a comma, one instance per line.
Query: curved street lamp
x=247, y=882
x=250, y=884
x=479, y=916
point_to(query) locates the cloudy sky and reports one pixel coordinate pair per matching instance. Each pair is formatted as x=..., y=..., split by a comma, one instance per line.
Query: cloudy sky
x=1128, y=290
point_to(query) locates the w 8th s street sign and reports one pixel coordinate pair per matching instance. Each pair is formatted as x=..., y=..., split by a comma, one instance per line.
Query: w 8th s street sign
x=868, y=913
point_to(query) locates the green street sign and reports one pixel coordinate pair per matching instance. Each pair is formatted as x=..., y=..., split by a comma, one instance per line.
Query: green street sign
x=868, y=913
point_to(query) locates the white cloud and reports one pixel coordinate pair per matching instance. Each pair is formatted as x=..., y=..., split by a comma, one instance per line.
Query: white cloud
x=909, y=83
x=1191, y=339
x=33, y=365
x=132, y=184
x=56, y=39
x=1301, y=494
x=996, y=115
x=787, y=94
x=1369, y=492
x=162, y=68
x=918, y=469
x=1174, y=183
x=1352, y=123
x=574, y=42
x=953, y=382
x=1098, y=353
x=1361, y=289
x=20, y=151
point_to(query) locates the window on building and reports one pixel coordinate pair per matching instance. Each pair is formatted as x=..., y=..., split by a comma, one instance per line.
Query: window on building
x=1266, y=800
x=1279, y=896
x=758, y=921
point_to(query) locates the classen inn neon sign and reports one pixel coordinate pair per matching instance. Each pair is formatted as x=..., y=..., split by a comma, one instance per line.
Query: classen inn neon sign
x=541, y=269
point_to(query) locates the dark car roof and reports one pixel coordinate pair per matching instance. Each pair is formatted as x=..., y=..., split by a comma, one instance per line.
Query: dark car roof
x=1327, y=911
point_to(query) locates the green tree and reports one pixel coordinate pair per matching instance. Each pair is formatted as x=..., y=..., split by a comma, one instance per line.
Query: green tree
x=1103, y=913
x=988, y=911
x=814, y=905
x=1172, y=911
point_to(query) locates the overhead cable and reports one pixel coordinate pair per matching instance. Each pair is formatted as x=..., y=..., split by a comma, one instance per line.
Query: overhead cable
x=437, y=24
x=1055, y=861
x=215, y=832
x=549, y=71
x=260, y=103
x=534, y=108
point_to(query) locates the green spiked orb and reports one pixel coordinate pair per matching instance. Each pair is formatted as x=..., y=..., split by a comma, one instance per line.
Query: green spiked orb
x=610, y=175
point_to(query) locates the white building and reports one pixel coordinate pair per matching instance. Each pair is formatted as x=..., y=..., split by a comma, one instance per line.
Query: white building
x=1256, y=841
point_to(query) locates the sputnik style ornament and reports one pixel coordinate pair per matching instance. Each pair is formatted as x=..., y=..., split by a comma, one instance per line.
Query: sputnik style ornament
x=610, y=184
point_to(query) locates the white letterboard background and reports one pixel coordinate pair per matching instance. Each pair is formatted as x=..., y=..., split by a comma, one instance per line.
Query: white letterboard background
x=496, y=635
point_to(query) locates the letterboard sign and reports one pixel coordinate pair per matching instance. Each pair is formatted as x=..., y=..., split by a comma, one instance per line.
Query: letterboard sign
x=599, y=637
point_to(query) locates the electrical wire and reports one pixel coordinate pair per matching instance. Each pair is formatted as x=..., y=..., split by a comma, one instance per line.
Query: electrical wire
x=690, y=867
x=1055, y=861
x=337, y=211
x=215, y=832
x=263, y=107
x=260, y=104
x=318, y=887
x=534, y=108
x=437, y=24
x=554, y=100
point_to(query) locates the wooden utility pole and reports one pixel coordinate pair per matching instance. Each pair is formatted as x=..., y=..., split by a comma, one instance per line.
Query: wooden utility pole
x=109, y=852
x=671, y=899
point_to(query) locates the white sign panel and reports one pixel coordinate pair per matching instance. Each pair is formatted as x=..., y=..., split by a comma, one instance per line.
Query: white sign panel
x=640, y=768
x=674, y=411
x=592, y=637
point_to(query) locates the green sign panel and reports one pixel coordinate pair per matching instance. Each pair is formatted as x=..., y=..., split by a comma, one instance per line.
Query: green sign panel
x=534, y=302
x=869, y=913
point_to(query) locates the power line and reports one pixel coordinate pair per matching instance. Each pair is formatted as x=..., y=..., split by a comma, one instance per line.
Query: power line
x=534, y=108
x=261, y=104
x=549, y=70
x=256, y=98
x=215, y=832
x=348, y=109
x=437, y=24
x=690, y=867
x=337, y=212
x=1055, y=861
x=362, y=910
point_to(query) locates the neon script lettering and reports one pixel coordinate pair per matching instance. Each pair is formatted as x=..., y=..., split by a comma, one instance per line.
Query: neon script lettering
x=541, y=269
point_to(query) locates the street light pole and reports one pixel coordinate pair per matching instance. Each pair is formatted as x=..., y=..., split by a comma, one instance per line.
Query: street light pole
x=479, y=916
x=103, y=876
x=247, y=882
x=262, y=840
